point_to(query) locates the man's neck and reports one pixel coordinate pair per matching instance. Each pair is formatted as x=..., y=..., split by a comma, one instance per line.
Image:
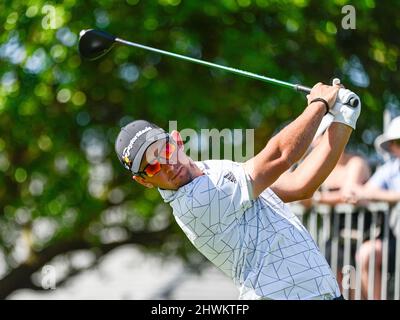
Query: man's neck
x=195, y=171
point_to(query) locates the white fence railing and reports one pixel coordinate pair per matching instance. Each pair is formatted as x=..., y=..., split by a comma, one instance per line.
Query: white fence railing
x=341, y=231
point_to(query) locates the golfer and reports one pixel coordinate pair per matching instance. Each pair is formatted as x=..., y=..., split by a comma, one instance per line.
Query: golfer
x=235, y=213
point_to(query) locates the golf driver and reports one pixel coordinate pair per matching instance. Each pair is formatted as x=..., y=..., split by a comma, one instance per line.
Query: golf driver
x=93, y=44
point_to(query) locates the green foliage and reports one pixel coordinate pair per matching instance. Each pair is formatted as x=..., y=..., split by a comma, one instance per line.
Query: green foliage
x=59, y=115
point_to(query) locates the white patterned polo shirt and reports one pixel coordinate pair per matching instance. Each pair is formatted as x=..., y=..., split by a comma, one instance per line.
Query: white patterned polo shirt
x=258, y=242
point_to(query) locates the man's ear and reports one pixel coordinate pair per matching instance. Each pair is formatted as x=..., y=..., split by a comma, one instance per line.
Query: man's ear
x=178, y=139
x=142, y=181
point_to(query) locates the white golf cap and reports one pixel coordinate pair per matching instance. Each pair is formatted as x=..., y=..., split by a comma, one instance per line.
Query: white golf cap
x=392, y=133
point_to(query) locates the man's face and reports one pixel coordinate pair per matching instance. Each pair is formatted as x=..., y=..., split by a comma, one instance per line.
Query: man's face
x=165, y=165
x=395, y=148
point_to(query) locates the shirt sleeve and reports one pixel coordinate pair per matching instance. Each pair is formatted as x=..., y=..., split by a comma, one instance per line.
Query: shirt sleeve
x=380, y=177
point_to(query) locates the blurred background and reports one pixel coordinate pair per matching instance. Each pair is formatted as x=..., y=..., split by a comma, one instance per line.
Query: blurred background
x=70, y=216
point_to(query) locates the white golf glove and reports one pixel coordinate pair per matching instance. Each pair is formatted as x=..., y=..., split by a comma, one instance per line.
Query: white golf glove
x=341, y=110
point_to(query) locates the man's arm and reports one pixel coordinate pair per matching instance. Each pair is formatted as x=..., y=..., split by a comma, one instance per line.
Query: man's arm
x=290, y=144
x=371, y=192
x=316, y=167
x=357, y=172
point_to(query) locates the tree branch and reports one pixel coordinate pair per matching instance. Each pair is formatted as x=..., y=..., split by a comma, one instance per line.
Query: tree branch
x=20, y=277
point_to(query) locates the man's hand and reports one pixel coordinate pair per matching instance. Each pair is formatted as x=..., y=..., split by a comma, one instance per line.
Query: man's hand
x=328, y=93
x=343, y=112
x=361, y=195
x=349, y=196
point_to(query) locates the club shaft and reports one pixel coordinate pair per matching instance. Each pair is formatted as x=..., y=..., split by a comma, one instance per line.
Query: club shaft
x=217, y=66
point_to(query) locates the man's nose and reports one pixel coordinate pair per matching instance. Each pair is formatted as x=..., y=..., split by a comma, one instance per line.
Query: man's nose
x=169, y=167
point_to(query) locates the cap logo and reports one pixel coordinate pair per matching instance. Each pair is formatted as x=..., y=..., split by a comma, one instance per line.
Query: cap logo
x=127, y=163
x=127, y=151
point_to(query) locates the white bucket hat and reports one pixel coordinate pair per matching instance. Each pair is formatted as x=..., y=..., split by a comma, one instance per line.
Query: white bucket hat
x=392, y=133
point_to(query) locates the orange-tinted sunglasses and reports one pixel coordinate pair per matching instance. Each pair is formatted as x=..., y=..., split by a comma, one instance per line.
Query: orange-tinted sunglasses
x=154, y=166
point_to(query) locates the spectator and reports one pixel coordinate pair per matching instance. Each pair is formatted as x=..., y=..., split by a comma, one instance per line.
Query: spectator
x=351, y=171
x=384, y=185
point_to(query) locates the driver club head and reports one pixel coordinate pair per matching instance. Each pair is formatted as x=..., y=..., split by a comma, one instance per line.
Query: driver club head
x=93, y=44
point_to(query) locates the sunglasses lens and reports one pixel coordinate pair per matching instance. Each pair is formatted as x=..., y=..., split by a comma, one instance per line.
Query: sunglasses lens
x=153, y=168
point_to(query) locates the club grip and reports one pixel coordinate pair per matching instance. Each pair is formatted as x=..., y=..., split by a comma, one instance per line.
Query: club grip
x=352, y=103
x=301, y=88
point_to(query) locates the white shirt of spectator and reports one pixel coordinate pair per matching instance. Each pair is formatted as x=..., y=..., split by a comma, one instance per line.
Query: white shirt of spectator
x=387, y=176
x=258, y=243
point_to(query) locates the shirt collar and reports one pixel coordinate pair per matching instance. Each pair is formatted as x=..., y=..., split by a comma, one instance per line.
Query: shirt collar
x=170, y=195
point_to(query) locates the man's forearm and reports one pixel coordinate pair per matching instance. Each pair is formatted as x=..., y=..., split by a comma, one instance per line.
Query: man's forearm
x=328, y=197
x=388, y=196
x=317, y=166
x=294, y=140
x=377, y=194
